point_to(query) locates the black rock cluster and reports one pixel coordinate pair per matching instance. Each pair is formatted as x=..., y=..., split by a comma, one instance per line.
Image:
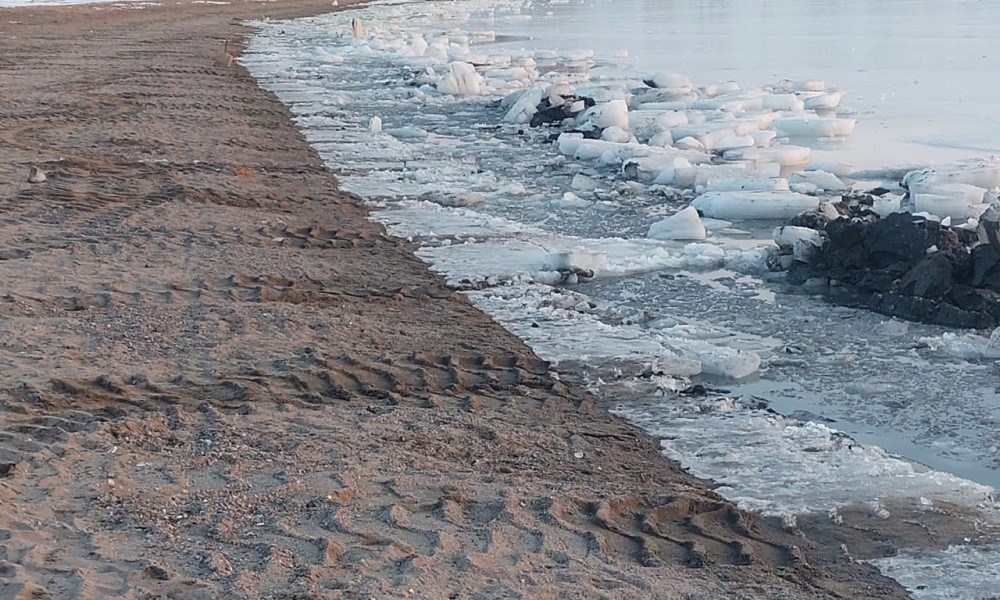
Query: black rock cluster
x=908, y=266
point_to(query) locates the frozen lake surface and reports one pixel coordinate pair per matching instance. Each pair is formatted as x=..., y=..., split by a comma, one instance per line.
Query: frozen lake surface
x=917, y=72
x=551, y=237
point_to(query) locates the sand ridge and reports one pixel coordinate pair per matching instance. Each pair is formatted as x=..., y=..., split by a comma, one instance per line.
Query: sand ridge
x=221, y=380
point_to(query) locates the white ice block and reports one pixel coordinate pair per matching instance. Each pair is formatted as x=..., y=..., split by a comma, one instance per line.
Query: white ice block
x=717, y=360
x=984, y=174
x=956, y=200
x=809, y=85
x=637, y=104
x=407, y=133
x=569, y=142
x=732, y=142
x=594, y=149
x=577, y=258
x=722, y=87
x=689, y=143
x=662, y=139
x=786, y=155
x=786, y=236
x=461, y=80
x=803, y=187
x=646, y=124
x=789, y=102
x=585, y=183
x=701, y=174
x=821, y=179
x=763, y=138
x=683, y=225
x=418, y=46
x=746, y=183
x=609, y=114
x=728, y=103
x=840, y=169
x=669, y=80
x=824, y=101
x=813, y=127
x=696, y=130
x=803, y=241
x=754, y=204
x=660, y=167
x=886, y=205
x=525, y=107
x=676, y=98
x=615, y=134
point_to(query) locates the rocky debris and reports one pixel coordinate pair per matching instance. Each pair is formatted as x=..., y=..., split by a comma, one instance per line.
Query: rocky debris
x=902, y=265
x=36, y=175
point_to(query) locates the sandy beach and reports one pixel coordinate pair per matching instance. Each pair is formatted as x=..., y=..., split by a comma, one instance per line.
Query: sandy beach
x=221, y=380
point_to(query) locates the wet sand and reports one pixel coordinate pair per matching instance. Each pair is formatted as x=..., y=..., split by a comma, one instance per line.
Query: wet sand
x=220, y=379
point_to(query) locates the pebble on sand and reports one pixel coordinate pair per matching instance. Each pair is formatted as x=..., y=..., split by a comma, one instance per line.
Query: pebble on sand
x=36, y=175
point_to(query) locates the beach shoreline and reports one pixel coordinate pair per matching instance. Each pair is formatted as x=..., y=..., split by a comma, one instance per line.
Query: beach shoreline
x=225, y=381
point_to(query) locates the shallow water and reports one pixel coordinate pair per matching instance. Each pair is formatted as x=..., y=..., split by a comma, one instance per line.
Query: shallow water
x=896, y=388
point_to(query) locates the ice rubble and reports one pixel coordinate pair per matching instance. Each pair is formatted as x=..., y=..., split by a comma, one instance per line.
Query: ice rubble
x=665, y=131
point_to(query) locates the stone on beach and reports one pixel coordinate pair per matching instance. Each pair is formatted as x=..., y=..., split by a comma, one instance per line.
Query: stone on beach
x=36, y=175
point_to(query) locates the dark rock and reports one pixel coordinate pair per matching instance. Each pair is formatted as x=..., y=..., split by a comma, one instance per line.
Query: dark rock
x=900, y=237
x=880, y=280
x=930, y=278
x=966, y=298
x=984, y=262
x=811, y=219
x=927, y=310
x=847, y=232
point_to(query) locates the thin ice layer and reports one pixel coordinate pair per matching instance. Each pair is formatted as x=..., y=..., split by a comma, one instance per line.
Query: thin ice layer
x=957, y=573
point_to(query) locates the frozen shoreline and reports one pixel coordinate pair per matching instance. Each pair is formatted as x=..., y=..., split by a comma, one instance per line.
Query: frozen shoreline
x=465, y=243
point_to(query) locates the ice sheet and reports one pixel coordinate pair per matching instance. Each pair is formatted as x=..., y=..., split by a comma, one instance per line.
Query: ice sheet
x=924, y=84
